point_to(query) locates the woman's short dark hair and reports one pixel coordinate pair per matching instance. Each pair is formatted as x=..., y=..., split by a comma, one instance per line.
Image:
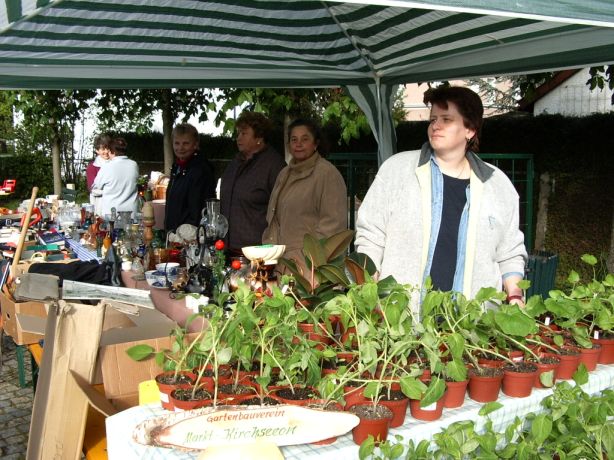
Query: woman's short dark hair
x=119, y=146
x=467, y=102
x=316, y=131
x=261, y=125
x=102, y=140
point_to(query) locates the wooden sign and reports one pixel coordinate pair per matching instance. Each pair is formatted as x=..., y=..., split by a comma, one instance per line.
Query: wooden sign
x=282, y=425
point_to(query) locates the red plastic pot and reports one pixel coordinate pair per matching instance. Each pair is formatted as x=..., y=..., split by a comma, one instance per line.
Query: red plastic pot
x=607, y=350
x=590, y=357
x=518, y=384
x=455, y=394
x=569, y=365
x=484, y=388
x=398, y=409
x=181, y=405
x=166, y=388
x=353, y=396
x=546, y=367
x=319, y=334
x=429, y=413
x=279, y=394
x=376, y=427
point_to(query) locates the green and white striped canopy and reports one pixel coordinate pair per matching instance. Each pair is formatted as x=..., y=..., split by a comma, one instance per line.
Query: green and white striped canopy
x=276, y=43
x=153, y=43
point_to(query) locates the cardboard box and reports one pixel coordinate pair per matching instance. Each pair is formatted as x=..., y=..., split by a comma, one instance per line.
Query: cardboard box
x=23, y=321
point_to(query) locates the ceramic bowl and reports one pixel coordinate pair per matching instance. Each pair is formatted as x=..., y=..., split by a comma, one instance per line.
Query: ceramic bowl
x=155, y=278
x=168, y=267
x=267, y=252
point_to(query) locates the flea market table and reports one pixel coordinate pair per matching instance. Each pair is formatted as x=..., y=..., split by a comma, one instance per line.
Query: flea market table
x=121, y=426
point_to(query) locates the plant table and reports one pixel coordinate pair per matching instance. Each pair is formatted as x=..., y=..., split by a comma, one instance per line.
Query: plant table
x=121, y=425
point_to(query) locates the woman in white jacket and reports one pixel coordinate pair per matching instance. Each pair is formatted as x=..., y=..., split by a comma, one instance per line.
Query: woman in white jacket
x=117, y=180
x=443, y=212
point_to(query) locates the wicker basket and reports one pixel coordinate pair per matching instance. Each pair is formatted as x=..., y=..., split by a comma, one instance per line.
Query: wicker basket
x=160, y=188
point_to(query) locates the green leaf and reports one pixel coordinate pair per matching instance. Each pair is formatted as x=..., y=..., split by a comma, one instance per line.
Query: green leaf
x=313, y=251
x=366, y=448
x=541, y=427
x=334, y=274
x=434, y=392
x=573, y=277
x=581, y=375
x=337, y=244
x=412, y=387
x=513, y=321
x=490, y=407
x=456, y=370
x=607, y=437
x=140, y=352
x=547, y=378
x=589, y=259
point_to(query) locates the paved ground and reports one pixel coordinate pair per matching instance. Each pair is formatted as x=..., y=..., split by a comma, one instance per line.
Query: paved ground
x=15, y=405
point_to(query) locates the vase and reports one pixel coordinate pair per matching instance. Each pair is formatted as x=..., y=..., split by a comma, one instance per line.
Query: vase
x=518, y=381
x=455, y=394
x=374, y=421
x=485, y=387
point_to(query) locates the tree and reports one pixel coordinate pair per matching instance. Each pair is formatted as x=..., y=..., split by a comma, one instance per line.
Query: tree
x=49, y=117
x=133, y=109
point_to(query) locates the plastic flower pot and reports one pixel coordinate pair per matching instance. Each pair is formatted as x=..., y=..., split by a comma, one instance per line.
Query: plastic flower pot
x=168, y=381
x=590, y=356
x=518, y=380
x=607, y=350
x=570, y=359
x=181, y=399
x=398, y=405
x=353, y=395
x=546, y=366
x=301, y=396
x=374, y=421
x=485, y=386
x=428, y=413
x=455, y=394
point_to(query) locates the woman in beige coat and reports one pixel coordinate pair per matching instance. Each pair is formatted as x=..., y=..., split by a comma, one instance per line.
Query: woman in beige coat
x=309, y=195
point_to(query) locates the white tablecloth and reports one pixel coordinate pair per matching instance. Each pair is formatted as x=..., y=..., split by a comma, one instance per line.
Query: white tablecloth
x=121, y=425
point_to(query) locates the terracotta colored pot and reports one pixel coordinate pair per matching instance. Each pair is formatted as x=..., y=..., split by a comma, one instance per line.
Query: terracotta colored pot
x=166, y=388
x=319, y=334
x=283, y=396
x=378, y=428
x=590, y=357
x=353, y=396
x=455, y=394
x=607, y=350
x=546, y=367
x=429, y=413
x=398, y=408
x=484, y=388
x=181, y=405
x=569, y=365
x=519, y=384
